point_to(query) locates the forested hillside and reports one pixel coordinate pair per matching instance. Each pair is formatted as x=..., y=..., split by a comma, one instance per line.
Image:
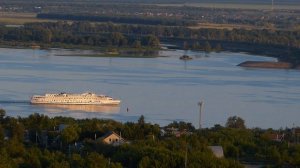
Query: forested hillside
x=272, y=32
x=282, y=44
x=168, y=1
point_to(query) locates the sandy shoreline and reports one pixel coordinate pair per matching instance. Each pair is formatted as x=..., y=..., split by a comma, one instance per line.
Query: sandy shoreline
x=266, y=64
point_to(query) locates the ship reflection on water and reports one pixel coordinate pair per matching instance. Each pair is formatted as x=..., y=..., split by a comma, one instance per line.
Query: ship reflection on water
x=77, y=107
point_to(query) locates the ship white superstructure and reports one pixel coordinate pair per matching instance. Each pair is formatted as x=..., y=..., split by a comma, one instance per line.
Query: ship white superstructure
x=67, y=98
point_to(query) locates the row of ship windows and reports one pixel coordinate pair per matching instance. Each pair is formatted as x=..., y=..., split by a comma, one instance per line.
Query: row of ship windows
x=55, y=100
x=65, y=99
x=71, y=101
x=69, y=98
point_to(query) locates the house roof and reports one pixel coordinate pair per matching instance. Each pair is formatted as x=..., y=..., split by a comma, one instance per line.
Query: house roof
x=61, y=127
x=276, y=136
x=296, y=130
x=217, y=151
x=111, y=133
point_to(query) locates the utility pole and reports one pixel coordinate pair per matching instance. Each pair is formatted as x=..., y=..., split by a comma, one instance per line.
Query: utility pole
x=294, y=133
x=69, y=151
x=36, y=137
x=185, y=158
x=272, y=5
x=200, y=104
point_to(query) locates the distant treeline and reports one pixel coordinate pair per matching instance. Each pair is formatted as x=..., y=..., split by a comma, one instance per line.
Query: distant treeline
x=118, y=35
x=72, y=34
x=119, y=19
x=282, y=38
x=160, y=1
x=174, y=12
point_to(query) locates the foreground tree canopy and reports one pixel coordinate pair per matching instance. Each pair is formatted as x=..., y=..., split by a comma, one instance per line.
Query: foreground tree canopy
x=235, y=122
x=29, y=142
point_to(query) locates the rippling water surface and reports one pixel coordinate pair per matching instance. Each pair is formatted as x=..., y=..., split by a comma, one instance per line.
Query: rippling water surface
x=163, y=89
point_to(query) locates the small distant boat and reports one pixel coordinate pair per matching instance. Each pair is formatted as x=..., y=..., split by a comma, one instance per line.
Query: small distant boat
x=64, y=98
x=185, y=57
x=35, y=46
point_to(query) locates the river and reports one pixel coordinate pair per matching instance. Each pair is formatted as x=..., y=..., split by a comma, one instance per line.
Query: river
x=163, y=89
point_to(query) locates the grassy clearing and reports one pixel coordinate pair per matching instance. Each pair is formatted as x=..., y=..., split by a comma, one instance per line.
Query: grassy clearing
x=108, y=55
x=229, y=5
x=224, y=26
x=11, y=18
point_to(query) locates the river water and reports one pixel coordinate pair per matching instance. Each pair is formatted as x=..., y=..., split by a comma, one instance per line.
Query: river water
x=163, y=89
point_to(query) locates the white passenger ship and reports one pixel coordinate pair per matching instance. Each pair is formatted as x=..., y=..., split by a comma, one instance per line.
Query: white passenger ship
x=65, y=98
